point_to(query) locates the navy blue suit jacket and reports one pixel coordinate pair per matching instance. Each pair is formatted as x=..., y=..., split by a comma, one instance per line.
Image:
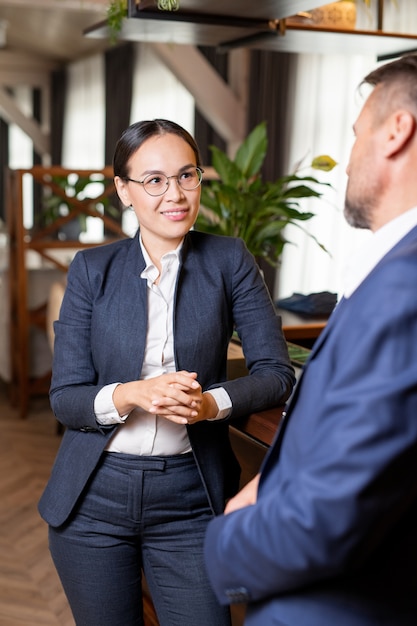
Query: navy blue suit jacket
x=100, y=339
x=332, y=539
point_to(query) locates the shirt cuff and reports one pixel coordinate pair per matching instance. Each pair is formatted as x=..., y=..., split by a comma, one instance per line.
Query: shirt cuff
x=223, y=402
x=106, y=412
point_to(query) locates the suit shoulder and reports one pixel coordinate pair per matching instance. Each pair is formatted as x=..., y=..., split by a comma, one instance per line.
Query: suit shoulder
x=105, y=260
x=216, y=243
x=107, y=251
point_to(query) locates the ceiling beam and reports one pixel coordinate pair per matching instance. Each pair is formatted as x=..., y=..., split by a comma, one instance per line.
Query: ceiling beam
x=27, y=78
x=238, y=79
x=13, y=115
x=214, y=97
x=16, y=61
x=74, y=5
x=21, y=69
x=17, y=68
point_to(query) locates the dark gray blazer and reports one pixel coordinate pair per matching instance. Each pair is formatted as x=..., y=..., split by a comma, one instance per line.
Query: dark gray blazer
x=100, y=339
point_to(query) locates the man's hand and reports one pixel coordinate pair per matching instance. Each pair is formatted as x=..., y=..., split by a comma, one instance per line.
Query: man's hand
x=245, y=497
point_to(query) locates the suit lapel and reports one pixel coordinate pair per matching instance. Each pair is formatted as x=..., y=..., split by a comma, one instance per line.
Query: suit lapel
x=321, y=340
x=341, y=311
x=133, y=312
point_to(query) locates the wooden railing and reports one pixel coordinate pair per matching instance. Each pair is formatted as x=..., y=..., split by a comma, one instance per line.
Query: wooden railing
x=42, y=243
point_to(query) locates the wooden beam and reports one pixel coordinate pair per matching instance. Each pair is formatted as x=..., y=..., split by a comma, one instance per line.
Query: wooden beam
x=16, y=61
x=27, y=78
x=221, y=107
x=12, y=114
x=238, y=76
x=74, y=5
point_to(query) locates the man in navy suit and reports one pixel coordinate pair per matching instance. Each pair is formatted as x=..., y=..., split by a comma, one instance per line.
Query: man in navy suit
x=327, y=536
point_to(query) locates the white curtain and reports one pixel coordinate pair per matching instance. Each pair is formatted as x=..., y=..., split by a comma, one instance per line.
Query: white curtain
x=83, y=141
x=21, y=146
x=324, y=110
x=326, y=105
x=21, y=149
x=157, y=93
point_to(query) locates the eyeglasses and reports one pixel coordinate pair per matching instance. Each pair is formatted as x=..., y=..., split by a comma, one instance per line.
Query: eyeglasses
x=157, y=184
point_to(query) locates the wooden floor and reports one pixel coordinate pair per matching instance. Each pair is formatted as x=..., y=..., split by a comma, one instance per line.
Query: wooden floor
x=30, y=591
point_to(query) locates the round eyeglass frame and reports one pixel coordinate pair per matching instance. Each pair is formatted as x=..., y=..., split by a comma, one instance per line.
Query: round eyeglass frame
x=176, y=176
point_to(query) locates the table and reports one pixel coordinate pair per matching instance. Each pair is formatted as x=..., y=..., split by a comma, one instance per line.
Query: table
x=251, y=435
x=298, y=327
x=260, y=427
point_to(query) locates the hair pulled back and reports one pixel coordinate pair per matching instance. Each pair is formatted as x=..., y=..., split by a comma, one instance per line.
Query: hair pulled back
x=136, y=135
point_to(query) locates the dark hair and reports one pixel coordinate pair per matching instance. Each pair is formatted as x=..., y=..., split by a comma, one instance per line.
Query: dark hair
x=136, y=134
x=401, y=73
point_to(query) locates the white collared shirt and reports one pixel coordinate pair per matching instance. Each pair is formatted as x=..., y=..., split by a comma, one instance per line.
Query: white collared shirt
x=144, y=433
x=380, y=243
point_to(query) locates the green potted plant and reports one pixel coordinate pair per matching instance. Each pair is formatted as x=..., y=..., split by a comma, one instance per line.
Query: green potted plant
x=243, y=205
x=117, y=11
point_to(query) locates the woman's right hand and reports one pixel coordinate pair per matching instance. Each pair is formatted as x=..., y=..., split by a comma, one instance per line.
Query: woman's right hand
x=177, y=396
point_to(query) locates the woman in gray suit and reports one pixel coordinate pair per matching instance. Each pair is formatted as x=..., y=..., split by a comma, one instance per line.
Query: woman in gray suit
x=139, y=381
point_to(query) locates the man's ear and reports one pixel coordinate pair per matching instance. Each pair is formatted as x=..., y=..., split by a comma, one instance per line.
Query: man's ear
x=401, y=127
x=122, y=190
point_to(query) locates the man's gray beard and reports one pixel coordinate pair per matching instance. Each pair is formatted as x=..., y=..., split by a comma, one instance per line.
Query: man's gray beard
x=356, y=216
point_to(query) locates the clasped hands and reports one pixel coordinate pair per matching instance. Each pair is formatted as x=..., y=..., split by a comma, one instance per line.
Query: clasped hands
x=176, y=396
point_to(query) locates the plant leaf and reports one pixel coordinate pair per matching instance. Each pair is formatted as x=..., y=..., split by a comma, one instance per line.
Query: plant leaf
x=227, y=170
x=323, y=162
x=251, y=154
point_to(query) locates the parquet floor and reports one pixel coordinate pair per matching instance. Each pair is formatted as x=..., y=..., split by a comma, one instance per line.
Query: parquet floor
x=30, y=591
